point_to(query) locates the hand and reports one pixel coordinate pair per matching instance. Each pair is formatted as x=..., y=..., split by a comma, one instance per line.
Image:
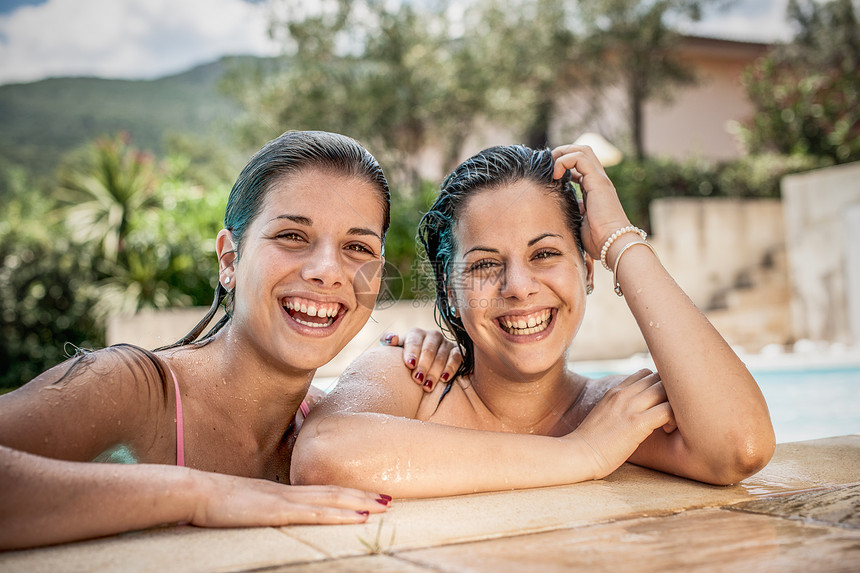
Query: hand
x=428, y=354
x=230, y=501
x=625, y=416
x=600, y=206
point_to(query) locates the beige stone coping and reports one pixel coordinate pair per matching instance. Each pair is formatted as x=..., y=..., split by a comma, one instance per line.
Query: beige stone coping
x=822, y=478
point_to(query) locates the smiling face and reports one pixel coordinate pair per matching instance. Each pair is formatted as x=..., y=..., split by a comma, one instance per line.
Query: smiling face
x=518, y=281
x=309, y=267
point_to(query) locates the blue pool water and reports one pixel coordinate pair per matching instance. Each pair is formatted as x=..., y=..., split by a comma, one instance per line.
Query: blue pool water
x=812, y=403
x=807, y=403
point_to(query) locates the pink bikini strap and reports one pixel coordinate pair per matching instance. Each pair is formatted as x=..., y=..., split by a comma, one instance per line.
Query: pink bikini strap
x=304, y=408
x=180, y=432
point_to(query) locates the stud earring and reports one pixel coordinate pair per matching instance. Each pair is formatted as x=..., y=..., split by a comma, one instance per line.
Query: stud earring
x=589, y=289
x=227, y=281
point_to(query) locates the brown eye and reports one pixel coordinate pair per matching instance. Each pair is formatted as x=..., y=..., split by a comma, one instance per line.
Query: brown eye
x=359, y=248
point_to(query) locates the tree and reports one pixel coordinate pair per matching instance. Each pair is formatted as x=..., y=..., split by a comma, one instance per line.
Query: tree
x=104, y=191
x=807, y=92
x=638, y=42
x=147, y=228
x=532, y=57
x=389, y=75
x=44, y=297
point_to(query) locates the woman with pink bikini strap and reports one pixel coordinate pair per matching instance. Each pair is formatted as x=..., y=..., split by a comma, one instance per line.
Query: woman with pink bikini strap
x=307, y=214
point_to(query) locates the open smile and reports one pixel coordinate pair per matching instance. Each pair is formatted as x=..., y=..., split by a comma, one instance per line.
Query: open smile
x=312, y=313
x=526, y=324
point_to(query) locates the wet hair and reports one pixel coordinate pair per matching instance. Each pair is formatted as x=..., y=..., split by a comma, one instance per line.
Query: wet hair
x=492, y=168
x=286, y=155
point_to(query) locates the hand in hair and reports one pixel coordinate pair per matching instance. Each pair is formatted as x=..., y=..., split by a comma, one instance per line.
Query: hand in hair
x=602, y=210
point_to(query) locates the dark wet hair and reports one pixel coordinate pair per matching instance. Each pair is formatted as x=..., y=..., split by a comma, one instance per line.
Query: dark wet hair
x=290, y=153
x=490, y=169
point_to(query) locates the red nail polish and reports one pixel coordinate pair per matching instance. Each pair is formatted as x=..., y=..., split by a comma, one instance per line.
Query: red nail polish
x=385, y=497
x=364, y=513
x=419, y=376
x=428, y=384
x=382, y=501
x=411, y=363
x=445, y=377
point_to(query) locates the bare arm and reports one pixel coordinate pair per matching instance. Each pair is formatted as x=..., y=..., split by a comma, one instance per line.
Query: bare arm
x=724, y=433
x=364, y=435
x=45, y=501
x=48, y=500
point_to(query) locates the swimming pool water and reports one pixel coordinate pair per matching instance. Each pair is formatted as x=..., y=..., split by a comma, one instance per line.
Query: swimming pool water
x=807, y=403
x=812, y=403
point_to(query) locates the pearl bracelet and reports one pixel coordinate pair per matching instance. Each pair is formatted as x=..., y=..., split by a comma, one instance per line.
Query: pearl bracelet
x=615, y=235
x=618, y=258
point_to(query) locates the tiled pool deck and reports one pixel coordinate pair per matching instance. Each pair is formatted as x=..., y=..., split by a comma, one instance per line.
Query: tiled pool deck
x=801, y=513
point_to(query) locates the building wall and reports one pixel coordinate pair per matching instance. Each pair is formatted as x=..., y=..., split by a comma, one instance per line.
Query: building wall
x=822, y=219
x=697, y=120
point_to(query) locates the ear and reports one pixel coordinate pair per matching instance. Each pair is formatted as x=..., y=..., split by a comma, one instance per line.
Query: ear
x=227, y=255
x=589, y=272
x=452, y=302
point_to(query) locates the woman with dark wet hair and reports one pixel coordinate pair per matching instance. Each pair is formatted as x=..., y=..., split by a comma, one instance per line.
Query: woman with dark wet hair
x=208, y=423
x=513, y=254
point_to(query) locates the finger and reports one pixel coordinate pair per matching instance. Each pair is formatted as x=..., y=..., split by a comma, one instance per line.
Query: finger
x=659, y=415
x=389, y=339
x=437, y=368
x=580, y=159
x=340, y=497
x=636, y=377
x=413, y=345
x=302, y=514
x=671, y=425
x=431, y=347
x=455, y=359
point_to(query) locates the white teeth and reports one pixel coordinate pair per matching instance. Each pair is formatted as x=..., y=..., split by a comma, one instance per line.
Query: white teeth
x=313, y=309
x=523, y=327
x=313, y=324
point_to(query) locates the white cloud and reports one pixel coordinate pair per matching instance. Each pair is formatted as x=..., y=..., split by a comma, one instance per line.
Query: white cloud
x=126, y=38
x=752, y=20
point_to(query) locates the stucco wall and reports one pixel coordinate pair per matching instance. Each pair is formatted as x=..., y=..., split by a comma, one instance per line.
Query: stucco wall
x=822, y=218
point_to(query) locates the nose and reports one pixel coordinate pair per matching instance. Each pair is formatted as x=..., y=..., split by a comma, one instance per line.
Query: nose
x=518, y=281
x=324, y=266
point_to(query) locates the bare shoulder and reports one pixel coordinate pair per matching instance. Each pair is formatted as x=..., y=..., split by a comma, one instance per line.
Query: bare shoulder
x=595, y=388
x=113, y=390
x=376, y=381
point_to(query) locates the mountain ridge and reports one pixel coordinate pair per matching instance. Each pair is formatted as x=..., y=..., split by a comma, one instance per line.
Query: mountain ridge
x=44, y=119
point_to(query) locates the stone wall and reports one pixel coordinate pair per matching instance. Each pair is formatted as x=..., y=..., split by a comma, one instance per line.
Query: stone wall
x=822, y=218
x=727, y=255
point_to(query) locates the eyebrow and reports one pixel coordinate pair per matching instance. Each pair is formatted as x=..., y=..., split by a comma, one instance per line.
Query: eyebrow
x=307, y=222
x=542, y=237
x=531, y=243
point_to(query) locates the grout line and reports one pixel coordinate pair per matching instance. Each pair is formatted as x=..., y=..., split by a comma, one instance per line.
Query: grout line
x=326, y=554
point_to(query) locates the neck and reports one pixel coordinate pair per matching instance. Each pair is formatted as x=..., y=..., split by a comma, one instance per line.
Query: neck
x=255, y=391
x=533, y=403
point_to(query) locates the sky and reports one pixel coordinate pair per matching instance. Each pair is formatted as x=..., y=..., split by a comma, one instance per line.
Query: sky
x=143, y=39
